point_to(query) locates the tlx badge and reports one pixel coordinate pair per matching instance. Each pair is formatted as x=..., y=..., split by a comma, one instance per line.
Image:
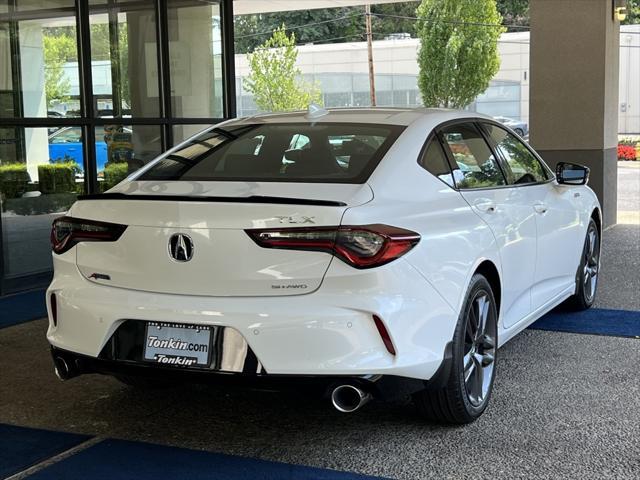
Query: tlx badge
x=296, y=219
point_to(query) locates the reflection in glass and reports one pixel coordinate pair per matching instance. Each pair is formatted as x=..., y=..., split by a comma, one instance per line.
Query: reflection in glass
x=45, y=73
x=183, y=132
x=39, y=180
x=124, y=59
x=196, y=72
x=123, y=149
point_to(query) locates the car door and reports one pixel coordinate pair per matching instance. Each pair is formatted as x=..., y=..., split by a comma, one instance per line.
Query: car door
x=506, y=209
x=558, y=225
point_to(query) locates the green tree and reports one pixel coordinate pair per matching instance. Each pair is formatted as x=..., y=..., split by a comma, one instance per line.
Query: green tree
x=458, y=53
x=345, y=24
x=319, y=24
x=274, y=78
x=633, y=13
x=58, y=50
x=515, y=13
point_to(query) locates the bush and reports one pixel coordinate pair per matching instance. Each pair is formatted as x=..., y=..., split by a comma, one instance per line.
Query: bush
x=626, y=152
x=53, y=203
x=57, y=177
x=14, y=179
x=114, y=173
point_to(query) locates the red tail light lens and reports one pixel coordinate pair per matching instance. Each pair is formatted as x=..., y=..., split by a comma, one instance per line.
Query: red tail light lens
x=68, y=231
x=364, y=246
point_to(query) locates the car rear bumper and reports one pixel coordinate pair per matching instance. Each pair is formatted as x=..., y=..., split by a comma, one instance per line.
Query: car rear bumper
x=330, y=332
x=386, y=387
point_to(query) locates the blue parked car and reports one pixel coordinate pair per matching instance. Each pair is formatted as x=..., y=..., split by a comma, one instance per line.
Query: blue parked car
x=67, y=142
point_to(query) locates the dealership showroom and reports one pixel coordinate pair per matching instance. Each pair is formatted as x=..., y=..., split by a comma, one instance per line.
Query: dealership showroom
x=319, y=239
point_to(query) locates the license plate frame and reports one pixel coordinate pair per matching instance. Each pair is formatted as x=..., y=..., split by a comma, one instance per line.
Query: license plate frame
x=169, y=346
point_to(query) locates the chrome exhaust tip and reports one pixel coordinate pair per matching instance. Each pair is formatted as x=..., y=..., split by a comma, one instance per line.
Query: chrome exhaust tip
x=349, y=398
x=61, y=368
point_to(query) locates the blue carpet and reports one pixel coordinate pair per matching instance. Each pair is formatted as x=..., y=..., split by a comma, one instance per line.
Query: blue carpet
x=22, y=307
x=118, y=459
x=595, y=321
x=22, y=447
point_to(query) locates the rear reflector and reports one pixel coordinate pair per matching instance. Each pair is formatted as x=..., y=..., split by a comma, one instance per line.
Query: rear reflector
x=363, y=246
x=53, y=304
x=384, y=334
x=68, y=232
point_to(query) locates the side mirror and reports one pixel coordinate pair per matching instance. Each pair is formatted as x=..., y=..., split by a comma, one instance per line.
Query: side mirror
x=572, y=174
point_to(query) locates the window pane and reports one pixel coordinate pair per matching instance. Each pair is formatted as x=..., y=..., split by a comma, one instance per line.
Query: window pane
x=333, y=153
x=123, y=149
x=29, y=5
x=477, y=168
x=523, y=166
x=39, y=180
x=124, y=59
x=182, y=132
x=435, y=162
x=196, y=73
x=47, y=63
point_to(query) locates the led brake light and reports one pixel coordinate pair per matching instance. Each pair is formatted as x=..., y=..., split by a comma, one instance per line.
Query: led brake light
x=363, y=246
x=68, y=232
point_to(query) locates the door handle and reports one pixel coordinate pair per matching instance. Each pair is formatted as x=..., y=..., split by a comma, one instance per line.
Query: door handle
x=486, y=206
x=540, y=208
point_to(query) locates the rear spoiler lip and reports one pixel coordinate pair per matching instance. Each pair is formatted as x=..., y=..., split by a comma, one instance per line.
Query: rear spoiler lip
x=202, y=198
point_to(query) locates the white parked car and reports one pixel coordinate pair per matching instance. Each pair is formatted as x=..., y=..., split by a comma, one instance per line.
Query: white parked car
x=377, y=252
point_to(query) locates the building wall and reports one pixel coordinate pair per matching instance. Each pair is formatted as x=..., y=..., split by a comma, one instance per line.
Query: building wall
x=342, y=71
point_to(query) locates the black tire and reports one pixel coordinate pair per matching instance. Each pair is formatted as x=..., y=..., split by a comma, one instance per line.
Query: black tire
x=587, y=274
x=519, y=131
x=453, y=402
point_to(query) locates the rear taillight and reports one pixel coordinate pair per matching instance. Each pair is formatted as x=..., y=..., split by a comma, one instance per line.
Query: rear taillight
x=68, y=231
x=364, y=246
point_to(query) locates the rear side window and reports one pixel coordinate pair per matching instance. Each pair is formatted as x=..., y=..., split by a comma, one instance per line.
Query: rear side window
x=330, y=152
x=476, y=165
x=523, y=166
x=435, y=162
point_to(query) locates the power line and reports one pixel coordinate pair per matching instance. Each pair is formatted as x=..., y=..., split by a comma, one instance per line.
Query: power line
x=454, y=22
x=297, y=27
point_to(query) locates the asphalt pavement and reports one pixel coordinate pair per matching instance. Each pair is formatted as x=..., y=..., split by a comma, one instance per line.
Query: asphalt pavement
x=564, y=405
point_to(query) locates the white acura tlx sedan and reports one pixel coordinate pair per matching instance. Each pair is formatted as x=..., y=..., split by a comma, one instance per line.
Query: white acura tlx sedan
x=372, y=252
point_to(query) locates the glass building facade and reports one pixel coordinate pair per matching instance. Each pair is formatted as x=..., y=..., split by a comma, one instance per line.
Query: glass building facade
x=90, y=90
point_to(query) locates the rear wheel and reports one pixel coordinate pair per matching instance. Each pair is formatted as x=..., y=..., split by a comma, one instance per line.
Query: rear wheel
x=587, y=276
x=467, y=389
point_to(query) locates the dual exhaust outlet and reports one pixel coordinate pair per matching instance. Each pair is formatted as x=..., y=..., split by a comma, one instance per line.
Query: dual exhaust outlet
x=345, y=398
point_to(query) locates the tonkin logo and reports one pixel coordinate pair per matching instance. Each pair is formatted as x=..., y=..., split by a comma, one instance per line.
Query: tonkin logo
x=181, y=247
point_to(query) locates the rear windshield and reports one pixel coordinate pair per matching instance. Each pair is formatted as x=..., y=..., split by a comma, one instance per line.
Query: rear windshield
x=333, y=153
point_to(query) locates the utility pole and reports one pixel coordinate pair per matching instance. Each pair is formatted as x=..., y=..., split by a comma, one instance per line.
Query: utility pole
x=372, y=78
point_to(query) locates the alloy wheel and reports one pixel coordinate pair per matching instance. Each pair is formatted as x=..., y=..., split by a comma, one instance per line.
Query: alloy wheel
x=591, y=264
x=479, y=348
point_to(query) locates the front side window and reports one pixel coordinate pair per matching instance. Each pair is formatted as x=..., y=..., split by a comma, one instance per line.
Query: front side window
x=476, y=165
x=435, y=162
x=523, y=166
x=332, y=153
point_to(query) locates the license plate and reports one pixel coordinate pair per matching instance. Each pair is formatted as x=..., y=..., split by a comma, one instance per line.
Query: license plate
x=177, y=345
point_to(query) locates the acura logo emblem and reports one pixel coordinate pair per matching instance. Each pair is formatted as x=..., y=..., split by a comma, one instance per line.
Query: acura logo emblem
x=181, y=247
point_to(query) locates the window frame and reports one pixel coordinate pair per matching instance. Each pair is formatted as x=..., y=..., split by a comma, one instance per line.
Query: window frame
x=479, y=125
x=434, y=137
x=504, y=162
x=453, y=165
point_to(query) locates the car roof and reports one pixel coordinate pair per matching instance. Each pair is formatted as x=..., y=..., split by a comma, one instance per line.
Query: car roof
x=366, y=115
